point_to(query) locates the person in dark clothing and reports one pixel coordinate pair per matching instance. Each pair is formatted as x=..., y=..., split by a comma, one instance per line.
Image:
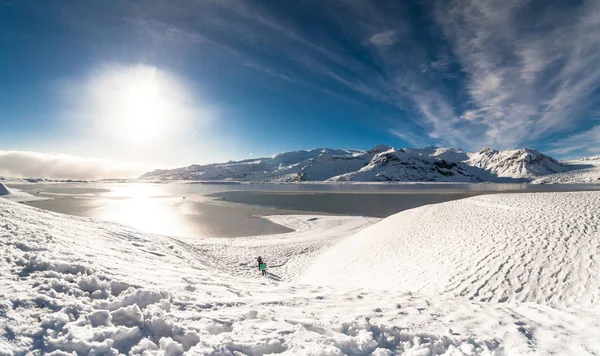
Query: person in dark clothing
x=262, y=266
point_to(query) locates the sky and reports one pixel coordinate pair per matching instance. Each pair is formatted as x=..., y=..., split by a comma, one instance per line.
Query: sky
x=147, y=83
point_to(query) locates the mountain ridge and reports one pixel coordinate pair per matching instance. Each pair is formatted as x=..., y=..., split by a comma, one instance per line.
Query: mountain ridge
x=380, y=164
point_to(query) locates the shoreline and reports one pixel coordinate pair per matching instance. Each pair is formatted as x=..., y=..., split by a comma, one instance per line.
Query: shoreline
x=214, y=211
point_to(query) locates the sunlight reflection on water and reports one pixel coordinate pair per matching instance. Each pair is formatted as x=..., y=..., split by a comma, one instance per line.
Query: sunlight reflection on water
x=145, y=207
x=136, y=191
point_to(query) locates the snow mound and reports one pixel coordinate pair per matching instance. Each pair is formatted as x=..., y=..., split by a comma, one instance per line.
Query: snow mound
x=542, y=248
x=17, y=195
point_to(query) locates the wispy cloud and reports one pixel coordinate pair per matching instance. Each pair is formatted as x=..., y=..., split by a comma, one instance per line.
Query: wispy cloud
x=475, y=73
x=578, y=145
x=443, y=64
x=524, y=79
x=383, y=39
x=440, y=116
x=406, y=135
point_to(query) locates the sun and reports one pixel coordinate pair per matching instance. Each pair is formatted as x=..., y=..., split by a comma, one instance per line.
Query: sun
x=138, y=106
x=142, y=109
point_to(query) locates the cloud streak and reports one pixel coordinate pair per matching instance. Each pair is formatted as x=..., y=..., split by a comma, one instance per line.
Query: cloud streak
x=383, y=39
x=578, y=144
x=462, y=72
x=524, y=80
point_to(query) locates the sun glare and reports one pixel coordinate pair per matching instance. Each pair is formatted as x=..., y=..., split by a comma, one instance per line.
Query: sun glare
x=142, y=108
x=140, y=105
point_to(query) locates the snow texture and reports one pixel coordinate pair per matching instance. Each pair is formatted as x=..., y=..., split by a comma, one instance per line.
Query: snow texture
x=490, y=275
x=537, y=248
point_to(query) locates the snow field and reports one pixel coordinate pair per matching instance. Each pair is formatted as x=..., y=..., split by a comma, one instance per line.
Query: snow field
x=542, y=248
x=77, y=285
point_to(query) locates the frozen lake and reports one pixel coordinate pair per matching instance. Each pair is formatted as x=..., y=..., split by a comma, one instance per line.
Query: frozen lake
x=229, y=210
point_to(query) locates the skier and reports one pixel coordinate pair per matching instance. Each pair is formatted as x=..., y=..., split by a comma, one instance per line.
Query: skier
x=262, y=266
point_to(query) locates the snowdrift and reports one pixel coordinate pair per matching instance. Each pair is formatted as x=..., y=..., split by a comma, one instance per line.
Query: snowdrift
x=17, y=195
x=74, y=285
x=542, y=248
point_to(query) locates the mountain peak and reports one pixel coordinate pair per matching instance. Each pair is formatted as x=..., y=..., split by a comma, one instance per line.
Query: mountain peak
x=526, y=163
x=380, y=148
x=487, y=151
x=530, y=151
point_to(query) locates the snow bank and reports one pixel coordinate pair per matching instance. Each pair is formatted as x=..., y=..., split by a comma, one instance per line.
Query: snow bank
x=75, y=285
x=17, y=195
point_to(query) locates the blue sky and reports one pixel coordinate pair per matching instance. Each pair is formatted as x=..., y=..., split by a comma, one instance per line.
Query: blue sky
x=237, y=78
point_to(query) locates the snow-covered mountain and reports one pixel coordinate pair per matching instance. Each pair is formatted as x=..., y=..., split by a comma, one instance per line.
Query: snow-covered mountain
x=449, y=154
x=399, y=165
x=281, y=167
x=525, y=163
x=326, y=166
x=380, y=164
